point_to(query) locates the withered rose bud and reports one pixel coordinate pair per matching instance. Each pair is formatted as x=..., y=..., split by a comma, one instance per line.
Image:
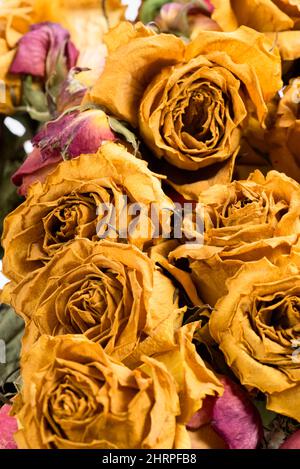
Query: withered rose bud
x=41, y=49
x=70, y=135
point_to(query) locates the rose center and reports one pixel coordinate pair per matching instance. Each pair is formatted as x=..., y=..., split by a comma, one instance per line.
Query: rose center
x=71, y=216
x=281, y=312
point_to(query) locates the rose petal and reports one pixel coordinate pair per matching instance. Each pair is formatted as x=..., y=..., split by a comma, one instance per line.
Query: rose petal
x=39, y=50
x=74, y=134
x=8, y=426
x=34, y=168
x=204, y=415
x=292, y=442
x=236, y=419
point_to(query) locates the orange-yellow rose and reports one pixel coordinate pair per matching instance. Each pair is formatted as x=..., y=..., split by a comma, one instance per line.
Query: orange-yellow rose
x=75, y=396
x=110, y=292
x=244, y=221
x=67, y=206
x=257, y=327
x=283, y=138
x=279, y=19
x=189, y=101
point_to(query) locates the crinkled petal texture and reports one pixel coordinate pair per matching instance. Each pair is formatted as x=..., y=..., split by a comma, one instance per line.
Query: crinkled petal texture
x=244, y=221
x=284, y=137
x=83, y=198
x=262, y=15
x=192, y=99
x=77, y=397
x=278, y=19
x=110, y=292
x=70, y=383
x=257, y=325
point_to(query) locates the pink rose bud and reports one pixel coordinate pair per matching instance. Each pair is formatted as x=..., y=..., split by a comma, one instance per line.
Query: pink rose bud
x=8, y=426
x=68, y=136
x=40, y=49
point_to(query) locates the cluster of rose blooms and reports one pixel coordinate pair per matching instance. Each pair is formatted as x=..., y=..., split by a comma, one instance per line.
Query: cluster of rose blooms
x=149, y=342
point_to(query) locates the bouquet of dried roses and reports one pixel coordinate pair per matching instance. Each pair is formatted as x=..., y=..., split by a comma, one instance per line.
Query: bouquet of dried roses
x=154, y=260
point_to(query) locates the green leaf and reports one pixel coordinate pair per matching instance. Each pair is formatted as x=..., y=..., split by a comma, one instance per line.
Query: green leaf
x=11, y=332
x=150, y=10
x=267, y=416
x=120, y=128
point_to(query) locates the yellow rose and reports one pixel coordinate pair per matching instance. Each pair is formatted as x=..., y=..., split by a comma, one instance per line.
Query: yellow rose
x=188, y=100
x=71, y=383
x=110, y=292
x=67, y=205
x=276, y=18
x=244, y=221
x=284, y=136
x=257, y=327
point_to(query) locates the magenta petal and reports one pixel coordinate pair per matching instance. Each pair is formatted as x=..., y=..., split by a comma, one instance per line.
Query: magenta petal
x=72, y=54
x=73, y=134
x=236, y=419
x=292, y=442
x=39, y=50
x=209, y=6
x=8, y=426
x=204, y=415
x=31, y=54
x=33, y=163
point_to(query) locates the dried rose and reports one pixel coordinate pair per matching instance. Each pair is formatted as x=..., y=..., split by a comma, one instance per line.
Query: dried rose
x=74, y=381
x=40, y=50
x=256, y=326
x=69, y=382
x=244, y=221
x=183, y=18
x=284, y=136
x=169, y=82
x=276, y=18
x=71, y=204
x=110, y=292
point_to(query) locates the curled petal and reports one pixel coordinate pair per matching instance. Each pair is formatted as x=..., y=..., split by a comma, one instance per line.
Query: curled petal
x=292, y=442
x=8, y=426
x=236, y=419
